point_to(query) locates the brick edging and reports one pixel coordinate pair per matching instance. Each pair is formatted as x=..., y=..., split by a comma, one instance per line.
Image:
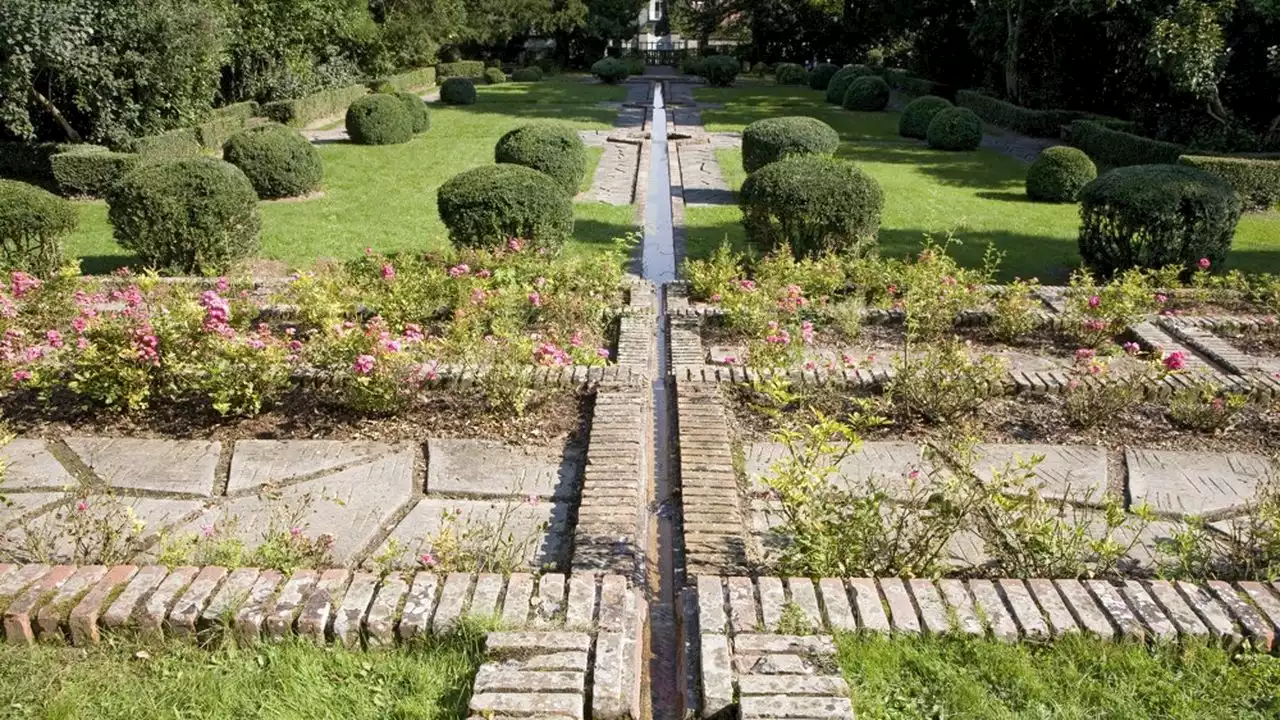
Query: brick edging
x=712, y=516
x=611, y=531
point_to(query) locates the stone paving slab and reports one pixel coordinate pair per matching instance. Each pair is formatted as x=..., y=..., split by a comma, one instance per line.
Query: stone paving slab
x=270, y=462
x=47, y=533
x=486, y=468
x=168, y=466
x=544, y=525
x=1192, y=483
x=29, y=465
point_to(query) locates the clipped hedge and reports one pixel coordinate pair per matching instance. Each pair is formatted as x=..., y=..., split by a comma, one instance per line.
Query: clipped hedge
x=868, y=93
x=458, y=91
x=821, y=76
x=172, y=145
x=494, y=76
x=1059, y=173
x=90, y=171
x=908, y=84
x=29, y=161
x=488, y=205
x=316, y=106
x=413, y=79
x=419, y=116
x=790, y=74
x=242, y=111
x=1036, y=123
x=276, y=159
x=843, y=78
x=719, y=70
x=772, y=139
x=610, y=70
x=212, y=133
x=812, y=203
x=1255, y=178
x=549, y=147
x=32, y=224
x=192, y=216
x=955, y=128
x=379, y=120
x=527, y=74
x=1152, y=216
x=471, y=69
x=916, y=116
x=1114, y=148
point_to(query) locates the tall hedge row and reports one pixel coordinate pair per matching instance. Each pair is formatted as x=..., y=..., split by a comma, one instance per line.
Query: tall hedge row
x=1255, y=178
x=1036, y=123
x=1114, y=148
x=470, y=69
x=316, y=106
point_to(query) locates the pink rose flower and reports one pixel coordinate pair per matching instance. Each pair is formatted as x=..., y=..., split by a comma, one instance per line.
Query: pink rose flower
x=363, y=364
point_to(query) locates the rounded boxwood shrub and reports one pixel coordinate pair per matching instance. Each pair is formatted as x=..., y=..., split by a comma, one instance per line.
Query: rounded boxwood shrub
x=553, y=148
x=379, y=120
x=610, y=70
x=527, y=74
x=419, y=116
x=276, y=159
x=190, y=216
x=869, y=93
x=458, y=91
x=916, y=116
x=1059, y=173
x=494, y=76
x=813, y=203
x=771, y=139
x=1151, y=216
x=841, y=81
x=32, y=224
x=790, y=74
x=822, y=74
x=955, y=128
x=719, y=70
x=489, y=205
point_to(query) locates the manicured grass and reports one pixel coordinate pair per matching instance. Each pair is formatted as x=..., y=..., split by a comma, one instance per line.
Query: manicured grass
x=978, y=196
x=384, y=197
x=291, y=681
x=1071, y=679
x=593, y=161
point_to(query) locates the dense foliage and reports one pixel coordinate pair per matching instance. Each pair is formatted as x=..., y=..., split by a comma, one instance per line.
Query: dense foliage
x=1150, y=216
x=458, y=91
x=869, y=93
x=276, y=159
x=90, y=170
x=379, y=119
x=821, y=76
x=955, y=128
x=1116, y=148
x=719, y=70
x=486, y=207
x=419, y=116
x=772, y=139
x=790, y=74
x=193, y=216
x=610, y=70
x=1256, y=178
x=553, y=148
x=1058, y=174
x=813, y=204
x=916, y=116
x=842, y=79
x=527, y=74
x=494, y=76
x=32, y=223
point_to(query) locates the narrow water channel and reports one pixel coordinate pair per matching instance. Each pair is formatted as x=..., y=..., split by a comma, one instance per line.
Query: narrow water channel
x=659, y=267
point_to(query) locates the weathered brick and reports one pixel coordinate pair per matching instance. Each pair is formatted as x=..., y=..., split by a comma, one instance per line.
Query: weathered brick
x=1055, y=610
x=84, y=617
x=1114, y=605
x=772, y=600
x=549, y=608
x=1176, y=609
x=496, y=679
x=787, y=706
x=186, y=611
x=128, y=606
x=289, y=603
x=742, y=605
x=52, y=618
x=15, y=581
x=866, y=601
x=515, y=605
x=961, y=605
x=1256, y=628
x=380, y=623
x=21, y=612
x=617, y=603
x=819, y=685
x=902, y=614
x=453, y=599
x=1085, y=609
x=566, y=660
x=836, y=601
x=933, y=613
x=580, y=610
x=537, y=705
x=1025, y=612
x=1264, y=600
x=484, y=599
x=506, y=644
x=712, y=617
x=317, y=610
x=348, y=618
x=717, y=675
x=226, y=603
x=992, y=607
x=1215, y=617
x=418, y=607
x=257, y=604
x=1148, y=611
x=805, y=598
x=762, y=643
x=612, y=681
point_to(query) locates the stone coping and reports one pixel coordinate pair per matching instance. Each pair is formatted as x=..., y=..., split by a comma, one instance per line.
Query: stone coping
x=744, y=656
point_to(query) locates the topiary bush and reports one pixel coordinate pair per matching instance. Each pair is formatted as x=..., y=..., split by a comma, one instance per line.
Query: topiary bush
x=552, y=148
x=813, y=203
x=489, y=205
x=869, y=93
x=955, y=128
x=379, y=120
x=790, y=74
x=772, y=139
x=527, y=74
x=458, y=91
x=841, y=81
x=1059, y=173
x=916, y=116
x=32, y=224
x=419, y=116
x=1255, y=177
x=719, y=70
x=610, y=70
x=821, y=75
x=494, y=76
x=276, y=159
x=192, y=216
x=1151, y=216
x=90, y=171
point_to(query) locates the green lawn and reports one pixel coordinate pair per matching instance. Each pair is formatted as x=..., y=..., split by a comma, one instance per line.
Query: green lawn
x=976, y=195
x=384, y=197
x=1071, y=679
x=291, y=681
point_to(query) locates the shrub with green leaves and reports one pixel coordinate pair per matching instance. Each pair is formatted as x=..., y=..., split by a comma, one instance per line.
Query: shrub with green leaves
x=90, y=171
x=719, y=70
x=822, y=74
x=955, y=128
x=553, y=148
x=458, y=91
x=869, y=93
x=1150, y=216
x=841, y=81
x=1255, y=177
x=527, y=74
x=276, y=159
x=32, y=224
x=379, y=120
x=812, y=203
x=916, y=116
x=494, y=76
x=489, y=205
x=418, y=113
x=192, y=216
x=790, y=74
x=1059, y=173
x=1115, y=148
x=610, y=70
x=472, y=69
x=772, y=139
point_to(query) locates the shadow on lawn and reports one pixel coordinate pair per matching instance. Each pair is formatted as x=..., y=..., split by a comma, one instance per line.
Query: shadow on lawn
x=975, y=169
x=104, y=264
x=538, y=111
